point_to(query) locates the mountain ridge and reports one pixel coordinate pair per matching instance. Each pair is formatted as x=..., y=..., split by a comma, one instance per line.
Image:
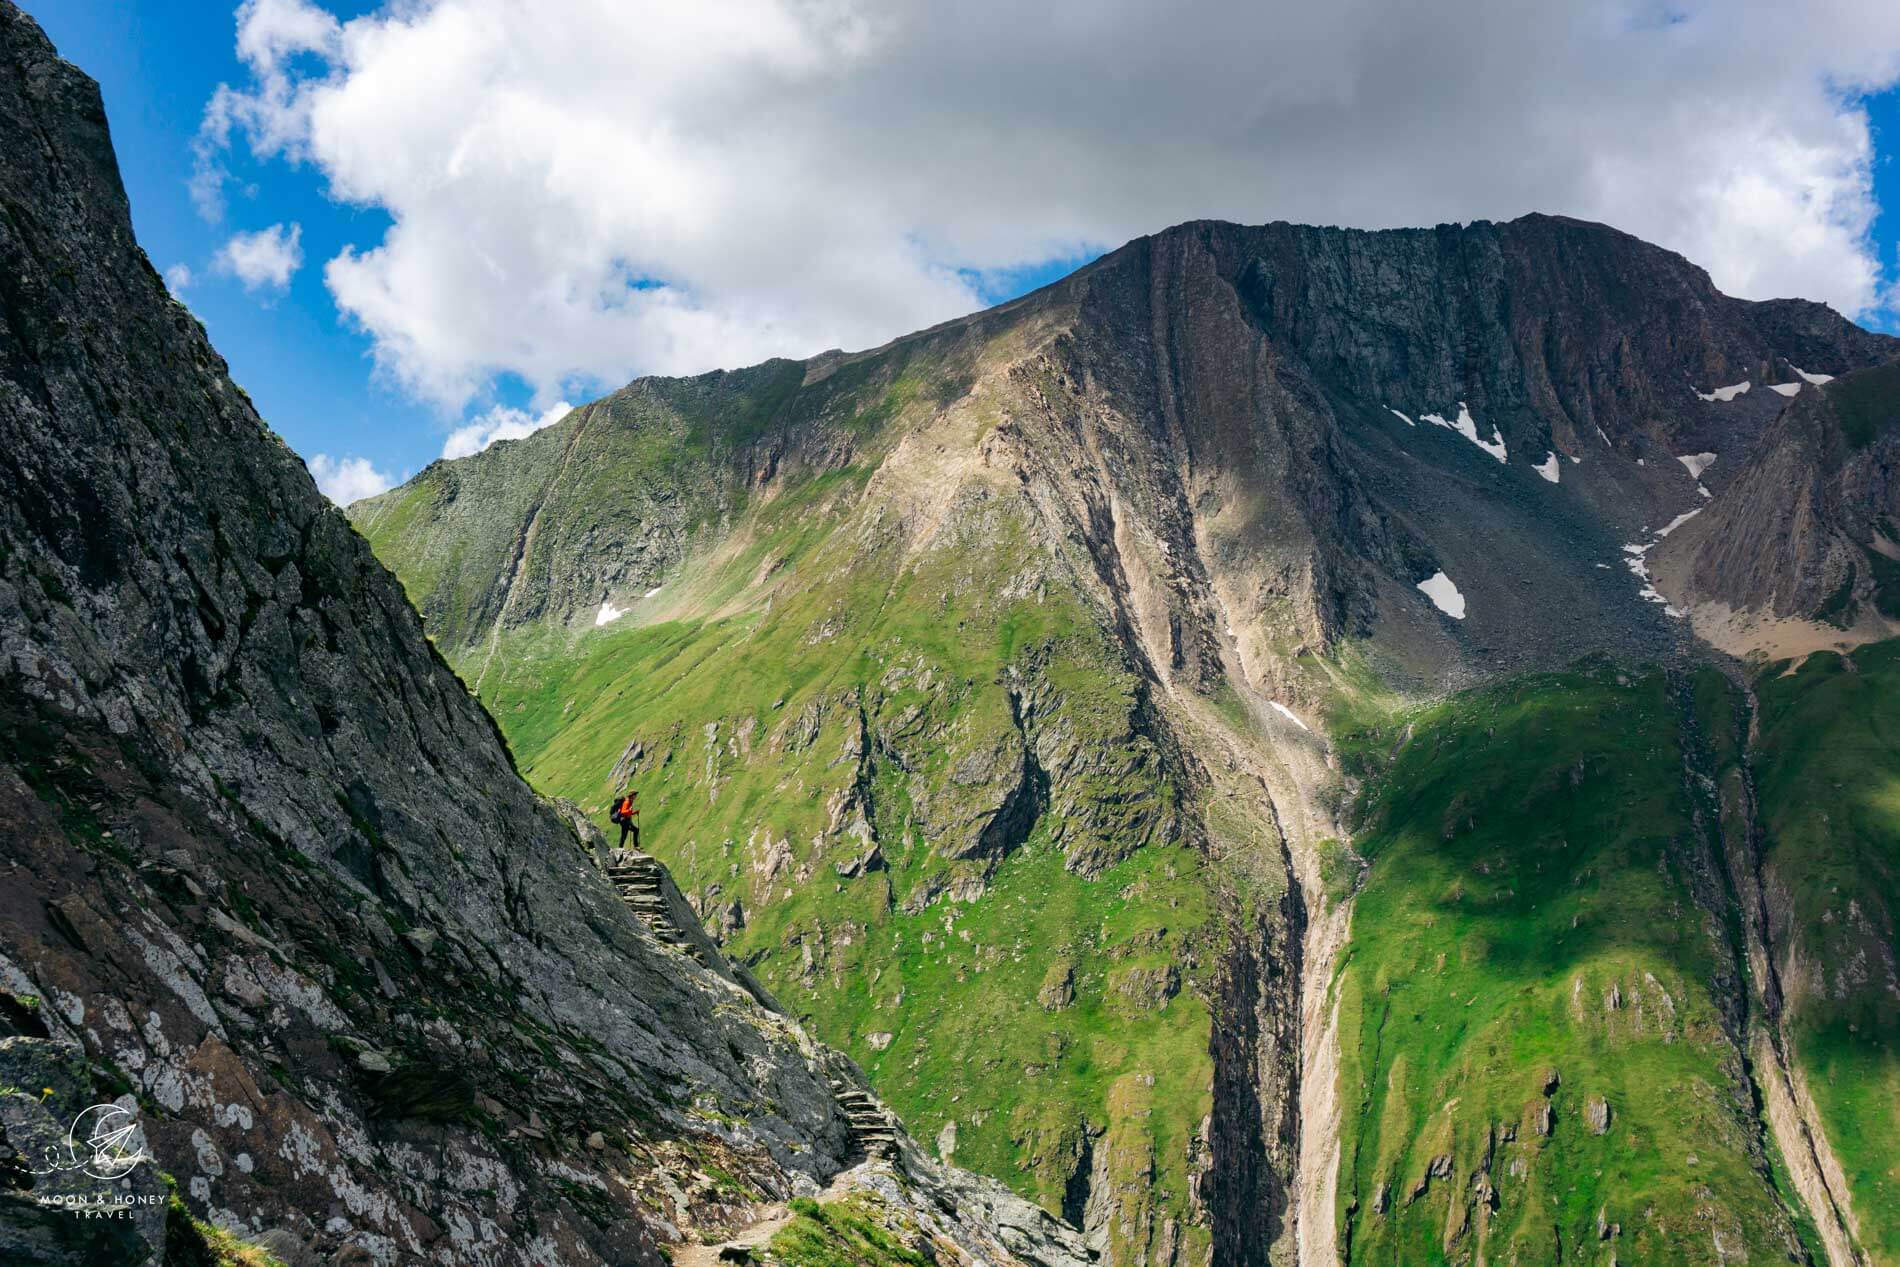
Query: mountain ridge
x=1109, y=603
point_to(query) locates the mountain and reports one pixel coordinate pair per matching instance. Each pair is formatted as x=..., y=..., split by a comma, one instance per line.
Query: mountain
x=1238, y=745
x=277, y=905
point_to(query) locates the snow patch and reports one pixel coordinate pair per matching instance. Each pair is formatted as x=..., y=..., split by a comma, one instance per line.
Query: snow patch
x=1703, y=491
x=1786, y=389
x=608, y=612
x=1677, y=522
x=1467, y=427
x=1816, y=379
x=1696, y=463
x=1402, y=418
x=1640, y=569
x=1725, y=394
x=650, y=593
x=1288, y=713
x=1639, y=565
x=1444, y=595
x=1548, y=468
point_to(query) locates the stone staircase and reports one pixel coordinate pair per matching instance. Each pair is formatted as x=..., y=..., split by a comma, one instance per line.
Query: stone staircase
x=871, y=1127
x=641, y=883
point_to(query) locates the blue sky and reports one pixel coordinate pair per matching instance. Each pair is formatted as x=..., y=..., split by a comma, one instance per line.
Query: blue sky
x=157, y=63
x=311, y=367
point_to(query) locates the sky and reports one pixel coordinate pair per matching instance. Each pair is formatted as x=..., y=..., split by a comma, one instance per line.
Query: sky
x=417, y=227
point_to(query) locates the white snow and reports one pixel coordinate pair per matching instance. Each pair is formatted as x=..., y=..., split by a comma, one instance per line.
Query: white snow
x=1816, y=379
x=1548, y=468
x=1402, y=418
x=1604, y=438
x=1677, y=522
x=1696, y=463
x=650, y=593
x=1287, y=713
x=1703, y=491
x=1639, y=566
x=1726, y=394
x=608, y=612
x=1467, y=427
x=1786, y=389
x=1444, y=595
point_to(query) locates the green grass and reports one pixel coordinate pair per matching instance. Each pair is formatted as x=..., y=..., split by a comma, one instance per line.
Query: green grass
x=192, y=1242
x=754, y=730
x=1533, y=854
x=849, y=1233
x=1828, y=780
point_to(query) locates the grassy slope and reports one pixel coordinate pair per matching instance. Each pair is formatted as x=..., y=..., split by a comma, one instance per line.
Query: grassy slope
x=751, y=726
x=1530, y=908
x=1828, y=781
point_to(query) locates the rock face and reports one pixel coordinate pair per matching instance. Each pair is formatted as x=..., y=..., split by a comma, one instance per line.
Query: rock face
x=269, y=869
x=1799, y=550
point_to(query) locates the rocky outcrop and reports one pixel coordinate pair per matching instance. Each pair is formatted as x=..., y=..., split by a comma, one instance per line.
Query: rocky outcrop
x=1798, y=551
x=270, y=871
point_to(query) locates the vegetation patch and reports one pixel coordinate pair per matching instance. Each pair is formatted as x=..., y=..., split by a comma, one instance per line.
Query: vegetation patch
x=1534, y=1057
x=851, y=1233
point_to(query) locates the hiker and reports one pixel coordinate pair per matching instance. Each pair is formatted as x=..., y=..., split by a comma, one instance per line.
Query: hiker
x=626, y=812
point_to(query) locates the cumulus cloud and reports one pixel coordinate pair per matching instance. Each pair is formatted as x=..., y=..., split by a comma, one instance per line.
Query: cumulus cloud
x=268, y=110
x=345, y=480
x=178, y=278
x=501, y=423
x=263, y=260
x=586, y=189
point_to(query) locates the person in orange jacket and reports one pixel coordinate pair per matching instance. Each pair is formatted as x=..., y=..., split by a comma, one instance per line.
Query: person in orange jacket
x=626, y=812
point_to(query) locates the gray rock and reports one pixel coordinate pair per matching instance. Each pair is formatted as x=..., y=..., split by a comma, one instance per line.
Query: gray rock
x=195, y=631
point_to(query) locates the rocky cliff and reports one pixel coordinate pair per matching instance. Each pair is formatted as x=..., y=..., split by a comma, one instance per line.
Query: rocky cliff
x=273, y=886
x=1799, y=552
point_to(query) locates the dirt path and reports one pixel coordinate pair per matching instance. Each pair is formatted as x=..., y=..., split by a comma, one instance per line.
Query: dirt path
x=754, y=1235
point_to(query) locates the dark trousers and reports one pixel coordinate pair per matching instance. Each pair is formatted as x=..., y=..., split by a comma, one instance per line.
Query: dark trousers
x=629, y=826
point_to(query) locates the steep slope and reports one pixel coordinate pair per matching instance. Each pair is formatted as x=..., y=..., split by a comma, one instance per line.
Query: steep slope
x=1800, y=551
x=1827, y=807
x=273, y=884
x=1545, y=1021
x=976, y=688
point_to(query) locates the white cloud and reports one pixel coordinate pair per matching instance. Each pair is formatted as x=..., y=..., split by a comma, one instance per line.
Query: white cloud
x=263, y=260
x=802, y=174
x=345, y=480
x=178, y=278
x=501, y=423
x=269, y=110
